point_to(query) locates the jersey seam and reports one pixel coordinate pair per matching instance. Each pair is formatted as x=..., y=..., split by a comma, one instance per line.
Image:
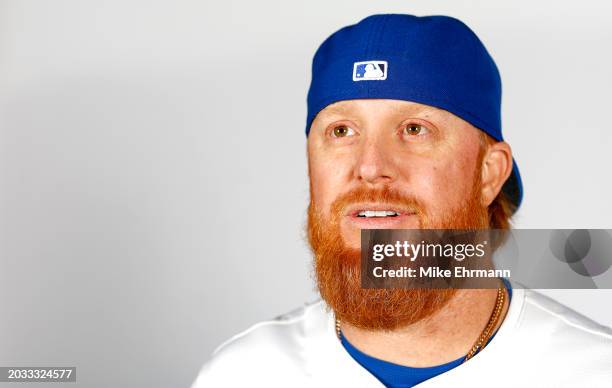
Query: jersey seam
x=569, y=323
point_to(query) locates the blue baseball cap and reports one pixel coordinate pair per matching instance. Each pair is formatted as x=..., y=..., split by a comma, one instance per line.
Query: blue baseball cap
x=432, y=60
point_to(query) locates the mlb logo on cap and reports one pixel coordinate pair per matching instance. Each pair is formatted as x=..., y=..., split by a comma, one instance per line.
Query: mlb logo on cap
x=370, y=71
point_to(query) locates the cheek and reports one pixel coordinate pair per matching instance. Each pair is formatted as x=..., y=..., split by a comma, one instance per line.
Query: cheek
x=442, y=184
x=327, y=180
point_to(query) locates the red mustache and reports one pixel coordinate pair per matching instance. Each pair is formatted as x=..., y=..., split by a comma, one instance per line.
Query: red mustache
x=386, y=195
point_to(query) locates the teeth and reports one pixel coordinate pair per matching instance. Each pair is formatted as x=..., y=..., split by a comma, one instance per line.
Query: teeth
x=377, y=213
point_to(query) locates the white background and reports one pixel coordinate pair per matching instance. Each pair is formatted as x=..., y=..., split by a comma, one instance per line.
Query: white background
x=153, y=174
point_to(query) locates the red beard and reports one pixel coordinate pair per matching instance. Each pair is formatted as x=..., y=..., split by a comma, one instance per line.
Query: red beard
x=337, y=266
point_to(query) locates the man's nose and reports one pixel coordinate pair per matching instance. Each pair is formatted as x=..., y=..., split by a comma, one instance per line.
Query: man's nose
x=374, y=165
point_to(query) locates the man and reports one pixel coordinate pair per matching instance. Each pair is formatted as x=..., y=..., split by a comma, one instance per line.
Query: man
x=404, y=132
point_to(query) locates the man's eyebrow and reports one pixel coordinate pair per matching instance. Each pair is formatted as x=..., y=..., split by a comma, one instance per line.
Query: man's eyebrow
x=337, y=109
x=416, y=109
x=420, y=110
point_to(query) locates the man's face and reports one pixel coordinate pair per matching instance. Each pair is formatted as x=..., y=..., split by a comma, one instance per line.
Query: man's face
x=387, y=164
x=424, y=156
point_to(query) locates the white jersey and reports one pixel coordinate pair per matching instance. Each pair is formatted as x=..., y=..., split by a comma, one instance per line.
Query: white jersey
x=540, y=343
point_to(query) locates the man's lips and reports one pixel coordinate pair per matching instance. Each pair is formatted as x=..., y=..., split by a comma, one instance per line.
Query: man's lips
x=378, y=210
x=369, y=215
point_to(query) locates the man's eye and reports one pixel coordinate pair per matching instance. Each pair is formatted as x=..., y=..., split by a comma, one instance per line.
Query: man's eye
x=342, y=131
x=415, y=129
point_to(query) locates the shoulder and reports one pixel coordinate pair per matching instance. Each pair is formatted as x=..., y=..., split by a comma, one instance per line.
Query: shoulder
x=566, y=322
x=270, y=350
x=559, y=337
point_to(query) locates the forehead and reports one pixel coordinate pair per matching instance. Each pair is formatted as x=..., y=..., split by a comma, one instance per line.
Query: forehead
x=378, y=106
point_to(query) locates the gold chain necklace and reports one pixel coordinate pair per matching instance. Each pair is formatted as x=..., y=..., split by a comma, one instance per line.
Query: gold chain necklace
x=486, y=334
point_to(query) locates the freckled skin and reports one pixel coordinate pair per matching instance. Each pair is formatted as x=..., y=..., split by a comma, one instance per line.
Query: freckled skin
x=436, y=166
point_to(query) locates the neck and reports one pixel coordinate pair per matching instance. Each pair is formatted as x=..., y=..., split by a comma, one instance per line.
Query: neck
x=445, y=336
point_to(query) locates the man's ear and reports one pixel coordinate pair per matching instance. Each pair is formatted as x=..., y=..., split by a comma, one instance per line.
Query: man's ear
x=496, y=168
